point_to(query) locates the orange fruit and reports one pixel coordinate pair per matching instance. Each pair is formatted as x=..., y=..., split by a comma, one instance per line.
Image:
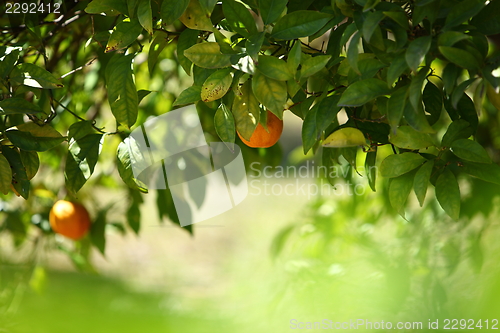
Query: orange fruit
x=69, y=219
x=262, y=138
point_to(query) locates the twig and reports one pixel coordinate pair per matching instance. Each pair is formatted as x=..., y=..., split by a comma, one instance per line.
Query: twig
x=79, y=68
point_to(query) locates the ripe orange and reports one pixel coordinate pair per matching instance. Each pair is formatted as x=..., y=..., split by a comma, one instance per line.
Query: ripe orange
x=69, y=219
x=262, y=138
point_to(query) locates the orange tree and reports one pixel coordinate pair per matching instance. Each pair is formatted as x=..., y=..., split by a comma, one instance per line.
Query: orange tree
x=419, y=76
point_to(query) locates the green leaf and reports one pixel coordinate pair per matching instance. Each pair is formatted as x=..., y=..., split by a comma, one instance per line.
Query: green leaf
x=124, y=34
x=239, y=18
x=8, y=61
x=459, y=57
x=371, y=169
x=294, y=57
x=246, y=111
x=416, y=118
x=110, y=7
x=398, y=164
x=487, y=172
x=122, y=92
x=157, y=45
x=145, y=15
x=462, y=11
x=187, y=38
x=421, y=181
x=124, y=164
x=31, y=162
x=361, y=92
x=195, y=17
x=270, y=93
x=408, y=138
x=470, y=150
x=448, y=193
x=451, y=72
x=5, y=175
x=142, y=93
x=189, y=95
x=459, y=91
x=80, y=129
x=31, y=137
x=172, y=10
x=18, y=105
x=399, y=189
x=274, y=68
x=467, y=111
x=310, y=133
x=271, y=10
x=224, y=124
x=216, y=85
x=450, y=38
x=353, y=51
x=459, y=129
x=313, y=65
x=82, y=158
x=134, y=214
x=208, y=55
x=433, y=102
x=97, y=232
x=487, y=20
x=417, y=50
x=396, y=107
x=399, y=17
x=345, y=137
x=253, y=45
x=371, y=21
x=396, y=68
x=34, y=76
x=19, y=177
x=301, y=23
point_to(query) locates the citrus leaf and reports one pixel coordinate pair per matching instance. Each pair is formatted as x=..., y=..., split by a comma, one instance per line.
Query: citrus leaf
x=300, y=23
x=31, y=137
x=274, y=68
x=294, y=56
x=462, y=11
x=271, y=10
x=5, y=175
x=208, y=55
x=459, y=129
x=82, y=158
x=399, y=189
x=157, y=45
x=470, y=150
x=194, y=17
x=224, y=124
x=8, y=61
x=189, y=95
x=187, y=38
x=398, y=164
x=421, y=181
x=145, y=15
x=459, y=57
x=270, y=93
x=396, y=107
x=17, y=105
x=216, y=85
x=487, y=20
x=345, y=137
x=313, y=65
x=417, y=50
x=31, y=162
x=124, y=164
x=396, y=68
x=361, y=92
x=487, y=172
x=34, y=76
x=124, y=34
x=408, y=138
x=122, y=92
x=433, y=102
x=246, y=111
x=19, y=177
x=97, y=231
x=110, y=7
x=448, y=193
x=239, y=18
x=371, y=169
x=371, y=21
x=172, y=10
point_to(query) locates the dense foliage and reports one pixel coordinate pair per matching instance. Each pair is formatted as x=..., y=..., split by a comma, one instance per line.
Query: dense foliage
x=419, y=78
